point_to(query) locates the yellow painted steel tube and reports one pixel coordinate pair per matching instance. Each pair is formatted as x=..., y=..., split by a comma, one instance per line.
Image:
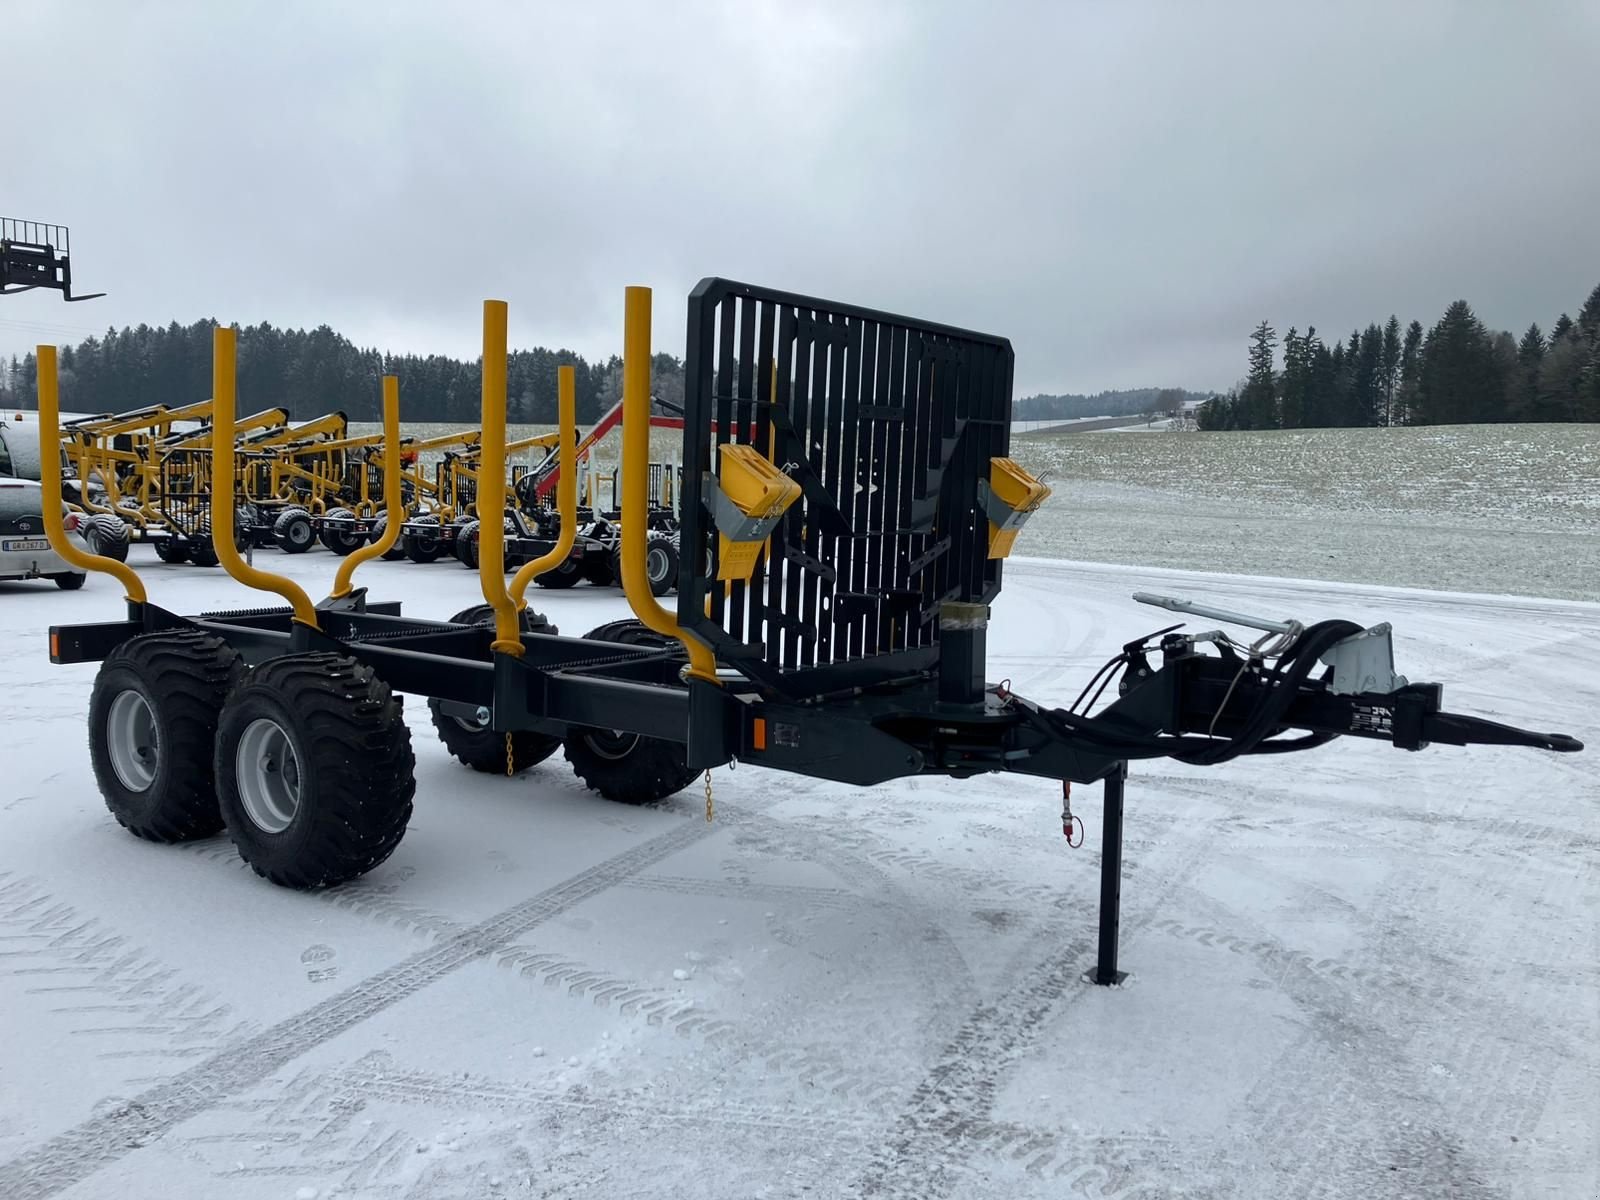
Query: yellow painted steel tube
x=393, y=516
x=224, y=350
x=50, y=479
x=491, y=500
x=566, y=487
x=636, y=486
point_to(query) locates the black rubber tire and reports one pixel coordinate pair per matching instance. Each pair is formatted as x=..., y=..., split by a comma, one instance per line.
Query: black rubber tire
x=420, y=548
x=293, y=531
x=566, y=575
x=467, y=545
x=356, y=770
x=600, y=569
x=107, y=536
x=626, y=767
x=395, y=551
x=202, y=550
x=171, y=550
x=342, y=544
x=661, y=564
x=183, y=678
x=483, y=749
x=69, y=581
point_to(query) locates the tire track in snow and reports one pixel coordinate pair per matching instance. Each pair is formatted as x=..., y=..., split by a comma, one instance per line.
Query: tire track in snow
x=924, y=1154
x=94, y=1144
x=102, y=985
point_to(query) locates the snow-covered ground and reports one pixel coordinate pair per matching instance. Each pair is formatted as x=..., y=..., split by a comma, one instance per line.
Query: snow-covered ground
x=1355, y=972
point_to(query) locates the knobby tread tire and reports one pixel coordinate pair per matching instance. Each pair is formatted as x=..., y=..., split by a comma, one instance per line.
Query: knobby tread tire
x=171, y=550
x=419, y=548
x=667, y=547
x=652, y=769
x=483, y=749
x=357, y=770
x=108, y=536
x=290, y=520
x=396, y=551
x=467, y=545
x=341, y=543
x=565, y=575
x=184, y=677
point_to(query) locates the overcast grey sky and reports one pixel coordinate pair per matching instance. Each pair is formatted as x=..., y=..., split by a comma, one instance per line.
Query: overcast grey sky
x=1123, y=190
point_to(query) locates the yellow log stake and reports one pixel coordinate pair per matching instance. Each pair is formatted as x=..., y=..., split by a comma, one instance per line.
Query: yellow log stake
x=566, y=487
x=636, y=486
x=394, y=517
x=50, y=478
x=491, y=501
x=223, y=352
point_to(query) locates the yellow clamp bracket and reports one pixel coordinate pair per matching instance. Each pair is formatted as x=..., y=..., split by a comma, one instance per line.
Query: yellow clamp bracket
x=566, y=488
x=224, y=350
x=50, y=478
x=1008, y=498
x=636, y=487
x=392, y=503
x=491, y=501
x=747, y=497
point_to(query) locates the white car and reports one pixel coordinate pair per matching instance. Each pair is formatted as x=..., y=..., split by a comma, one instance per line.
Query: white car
x=25, y=551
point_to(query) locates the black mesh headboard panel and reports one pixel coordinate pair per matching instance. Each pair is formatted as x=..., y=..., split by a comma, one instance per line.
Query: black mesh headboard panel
x=887, y=424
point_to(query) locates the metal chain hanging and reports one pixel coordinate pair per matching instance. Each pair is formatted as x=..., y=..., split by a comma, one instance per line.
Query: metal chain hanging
x=711, y=810
x=511, y=758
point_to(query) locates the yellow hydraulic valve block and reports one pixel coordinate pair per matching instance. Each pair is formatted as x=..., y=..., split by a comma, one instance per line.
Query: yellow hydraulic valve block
x=1008, y=497
x=748, y=497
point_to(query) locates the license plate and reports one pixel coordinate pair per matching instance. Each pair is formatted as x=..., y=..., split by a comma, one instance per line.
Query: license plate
x=21, y=547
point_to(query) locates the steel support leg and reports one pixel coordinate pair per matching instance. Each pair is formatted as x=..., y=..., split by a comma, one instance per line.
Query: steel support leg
x=1105, y=971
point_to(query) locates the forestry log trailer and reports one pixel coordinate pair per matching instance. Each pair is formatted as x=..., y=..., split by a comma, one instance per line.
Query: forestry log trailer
x=855, y=513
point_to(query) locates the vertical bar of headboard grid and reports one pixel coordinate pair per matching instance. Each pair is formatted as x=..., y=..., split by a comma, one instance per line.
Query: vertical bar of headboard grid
x=722, y=389
x=743, y=414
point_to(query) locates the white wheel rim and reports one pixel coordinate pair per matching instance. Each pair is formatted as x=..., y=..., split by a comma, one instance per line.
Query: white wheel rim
x=268, y=773
x=131, y=739
x=656, y=564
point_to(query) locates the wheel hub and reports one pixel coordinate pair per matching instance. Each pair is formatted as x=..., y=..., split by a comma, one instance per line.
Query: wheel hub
x=132, y=740
x=269, y=775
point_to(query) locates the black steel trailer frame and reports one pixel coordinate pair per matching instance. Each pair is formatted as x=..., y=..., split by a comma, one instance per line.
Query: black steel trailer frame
x=855, y=649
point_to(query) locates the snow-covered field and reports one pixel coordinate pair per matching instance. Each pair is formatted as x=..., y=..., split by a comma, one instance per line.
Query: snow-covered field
x=1355, y=972
x=1478, y=508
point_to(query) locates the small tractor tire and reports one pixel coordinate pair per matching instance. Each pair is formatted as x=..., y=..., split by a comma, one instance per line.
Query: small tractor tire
x=338, y=540
x=69, y=581
x=171, y=549
x=395, y=551
x=152, y=722
x=627, y=767
x=314, y=770
x=563, y=576
x=600, y=569
x=661, y=564
x=293, y=531
x=421, y=547
x=483, y=749
x=467, y=545
x=201, y=552
x=107, y=536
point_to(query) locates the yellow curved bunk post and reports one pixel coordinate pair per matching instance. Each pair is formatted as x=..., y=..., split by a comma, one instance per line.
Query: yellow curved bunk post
x=393, y=518
x=636, y=487
x=50, y=478
x=224, y=349
x=491, y=500
x=566, y=488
